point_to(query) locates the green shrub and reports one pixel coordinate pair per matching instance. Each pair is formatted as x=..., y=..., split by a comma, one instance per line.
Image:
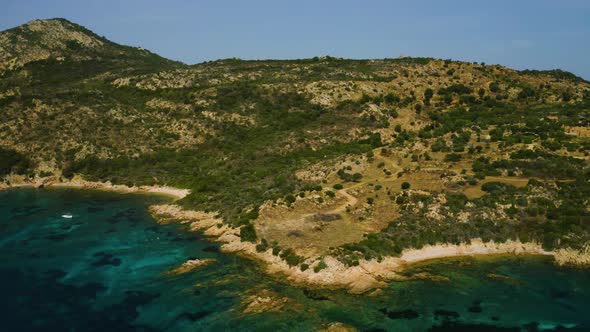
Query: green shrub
x=290, y=199
x=527, y=92
x=276, y=250
x=13, y=162
x=320, y=266
x=452, y=157
x=262, y=246
x=494, y=87
x=290, y=257
x=494, y=187
x=248, y=233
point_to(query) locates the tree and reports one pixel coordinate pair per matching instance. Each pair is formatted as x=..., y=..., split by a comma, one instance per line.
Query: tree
x=405, y=185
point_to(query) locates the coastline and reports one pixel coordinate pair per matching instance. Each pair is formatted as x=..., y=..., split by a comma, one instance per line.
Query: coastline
x=369, y=274
x=78, y=183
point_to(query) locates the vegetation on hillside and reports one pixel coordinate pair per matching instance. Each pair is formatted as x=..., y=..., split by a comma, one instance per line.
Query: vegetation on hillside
x=236, y=133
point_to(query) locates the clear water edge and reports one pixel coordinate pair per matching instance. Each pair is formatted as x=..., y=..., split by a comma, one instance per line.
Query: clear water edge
x=106, y=268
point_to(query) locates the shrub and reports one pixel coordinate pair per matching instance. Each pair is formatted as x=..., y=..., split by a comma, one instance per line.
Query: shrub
x=481, y=92
x=320, y=266
x=452, y=157
x=459, y=89
x=439, y=145
x=290, y=257
x=391, y=98
x=12, y=161
x=405, y=185
x=527, y=92
x=494, y=87
x=402, y=199
x=290, y=199
x=262, y=246
x=428, y=93
x=338, y=186
x=248, y=233
x=494, y=186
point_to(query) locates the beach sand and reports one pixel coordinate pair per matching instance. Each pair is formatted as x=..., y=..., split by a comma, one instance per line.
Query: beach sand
x=79, y=183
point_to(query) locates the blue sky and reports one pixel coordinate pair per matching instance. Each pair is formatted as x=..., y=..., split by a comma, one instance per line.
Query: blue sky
x=534, y=34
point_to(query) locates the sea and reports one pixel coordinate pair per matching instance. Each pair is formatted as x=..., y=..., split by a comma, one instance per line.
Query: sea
x=86, y=260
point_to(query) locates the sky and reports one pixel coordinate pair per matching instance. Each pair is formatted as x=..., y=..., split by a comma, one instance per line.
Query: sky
x=521, y=34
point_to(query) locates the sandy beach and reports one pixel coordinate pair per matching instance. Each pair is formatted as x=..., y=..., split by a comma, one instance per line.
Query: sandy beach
x=79, y=183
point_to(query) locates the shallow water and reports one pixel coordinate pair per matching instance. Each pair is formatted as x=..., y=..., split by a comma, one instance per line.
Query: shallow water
x=105, y=268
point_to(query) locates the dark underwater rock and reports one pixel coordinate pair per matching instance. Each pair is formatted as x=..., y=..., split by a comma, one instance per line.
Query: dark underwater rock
x=401, y=314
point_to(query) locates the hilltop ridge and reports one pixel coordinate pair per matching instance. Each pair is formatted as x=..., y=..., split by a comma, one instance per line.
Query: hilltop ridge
x=61, y=40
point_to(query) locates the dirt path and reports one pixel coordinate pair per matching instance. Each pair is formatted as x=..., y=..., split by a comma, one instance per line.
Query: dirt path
x=350, y=201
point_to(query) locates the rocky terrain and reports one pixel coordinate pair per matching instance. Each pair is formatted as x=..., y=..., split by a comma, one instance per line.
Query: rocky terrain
x=311, y=164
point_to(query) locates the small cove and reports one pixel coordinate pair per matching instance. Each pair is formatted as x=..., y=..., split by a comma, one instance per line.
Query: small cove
x=106, y=268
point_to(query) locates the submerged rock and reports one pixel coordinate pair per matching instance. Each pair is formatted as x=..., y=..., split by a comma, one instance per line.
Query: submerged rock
x=338, y=327
x=264, y=301
x=191, y=265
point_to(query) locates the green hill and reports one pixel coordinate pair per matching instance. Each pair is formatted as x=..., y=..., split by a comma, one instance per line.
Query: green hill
x=242, y=134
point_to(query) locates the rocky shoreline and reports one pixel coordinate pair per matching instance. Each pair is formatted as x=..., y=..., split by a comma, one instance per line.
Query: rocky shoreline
x=369, y=274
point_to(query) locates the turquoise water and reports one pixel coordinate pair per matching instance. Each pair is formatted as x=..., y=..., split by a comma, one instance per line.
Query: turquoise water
x=105, y=268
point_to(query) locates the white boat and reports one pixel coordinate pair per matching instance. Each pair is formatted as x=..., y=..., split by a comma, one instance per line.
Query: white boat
x=67, y=216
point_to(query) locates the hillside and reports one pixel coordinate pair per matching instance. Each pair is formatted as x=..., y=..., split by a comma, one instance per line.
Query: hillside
x=62, y=41
x=358, y=159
